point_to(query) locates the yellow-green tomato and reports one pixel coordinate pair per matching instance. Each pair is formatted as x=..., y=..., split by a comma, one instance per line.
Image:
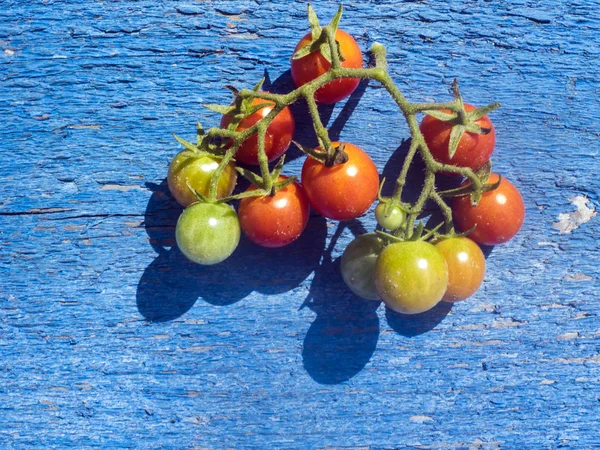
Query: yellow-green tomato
x=197, y=170
x=466, y=267
x=411, y=277
x=389, y=215
x=358, y=264
x=207, y=233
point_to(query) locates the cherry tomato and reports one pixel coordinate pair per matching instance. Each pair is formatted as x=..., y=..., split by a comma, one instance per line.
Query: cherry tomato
x=411, y=277
x=275, y=221
x=466, y=267
x=358, y=264
x=207, y=233
x=314, y=65
x=197, y=170
x=498, y=216
x=277, y=138
x=344, y=191
x=473, y=150
x=389, y=216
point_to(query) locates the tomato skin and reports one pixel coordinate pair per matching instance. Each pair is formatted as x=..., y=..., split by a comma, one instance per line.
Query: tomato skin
x=207, y=233
x=197, y=170
x=498, y=216
x=473, y=150
x=277, y=138
x=314, y=65
x=344, y=191
x=275, y=221
x=466, y=267
x=411, y=277
x=358, y=265
x=389, y=217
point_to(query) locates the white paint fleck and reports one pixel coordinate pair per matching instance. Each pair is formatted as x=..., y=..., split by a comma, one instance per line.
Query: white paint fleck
x=576, y=277
x=421, y=419
x=121, y=187
x=568, y=336
x=567, y=222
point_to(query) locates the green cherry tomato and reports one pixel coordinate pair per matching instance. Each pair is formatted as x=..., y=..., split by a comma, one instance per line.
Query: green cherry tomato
x=197, y=170
x=466, y=267
x=389, y=215
x=358, y=264
x=411, y=277
x=208, y=233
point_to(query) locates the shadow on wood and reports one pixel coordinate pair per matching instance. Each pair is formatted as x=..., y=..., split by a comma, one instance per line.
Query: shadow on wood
x=343, y=337
x=171, y=284
x=414, y=324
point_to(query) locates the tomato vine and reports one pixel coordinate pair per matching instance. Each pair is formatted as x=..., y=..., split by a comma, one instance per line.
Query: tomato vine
x=456, y=128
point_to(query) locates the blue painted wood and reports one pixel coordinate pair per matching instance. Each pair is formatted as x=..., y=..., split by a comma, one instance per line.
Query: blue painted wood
x=110, y=338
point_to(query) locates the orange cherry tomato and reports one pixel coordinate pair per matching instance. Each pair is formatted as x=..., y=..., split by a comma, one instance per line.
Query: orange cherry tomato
x=497, y=218
x=344, y=191
x=473, y=150
x=277, y=138
x=314, y=65
x=275, y=221
x=466, y=267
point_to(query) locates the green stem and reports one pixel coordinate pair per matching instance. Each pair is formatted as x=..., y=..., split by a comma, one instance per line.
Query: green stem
x=445, y=209
x=409, y=110
x=333, y=47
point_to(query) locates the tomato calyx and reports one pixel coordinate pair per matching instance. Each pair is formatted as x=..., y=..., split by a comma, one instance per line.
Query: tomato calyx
x=468, y=189
x=321, y=38
x=267, y=185
x=241, y=107
x=204, y=143
x=462, y=121
x=332, y=157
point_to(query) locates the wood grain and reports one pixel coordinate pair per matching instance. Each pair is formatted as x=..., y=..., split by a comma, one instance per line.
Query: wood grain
x=110, y=338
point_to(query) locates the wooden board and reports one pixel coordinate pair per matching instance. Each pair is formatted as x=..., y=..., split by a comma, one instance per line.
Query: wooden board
x=110, y=338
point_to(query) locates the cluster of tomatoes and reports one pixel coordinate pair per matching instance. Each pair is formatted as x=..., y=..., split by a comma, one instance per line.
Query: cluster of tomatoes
x=410, y=270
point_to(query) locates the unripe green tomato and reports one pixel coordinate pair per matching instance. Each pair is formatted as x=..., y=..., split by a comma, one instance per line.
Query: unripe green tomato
x=208, y=233
x=411, y=277
x=389, y=216
x=358, y=264
x=197, y=170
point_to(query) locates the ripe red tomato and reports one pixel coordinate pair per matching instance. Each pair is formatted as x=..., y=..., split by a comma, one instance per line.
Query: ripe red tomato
x=466, y=267
x=275, y=221
x=314, y=65
x=277, y=139
x=344, y=191
x=411, y=277
x=498, y=216
x=473, y=150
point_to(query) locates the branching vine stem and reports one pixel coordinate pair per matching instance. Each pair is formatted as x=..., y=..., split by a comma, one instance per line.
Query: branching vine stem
x=377, y=73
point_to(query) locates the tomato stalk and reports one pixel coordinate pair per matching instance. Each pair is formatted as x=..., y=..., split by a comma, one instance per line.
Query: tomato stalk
x=324, y=40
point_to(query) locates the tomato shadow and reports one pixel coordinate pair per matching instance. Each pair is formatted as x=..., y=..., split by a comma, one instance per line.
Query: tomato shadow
x=411, y=325
x=343, y=337
x=171, y=284
x=304, y=133
x=161, y=217
x=414, y=178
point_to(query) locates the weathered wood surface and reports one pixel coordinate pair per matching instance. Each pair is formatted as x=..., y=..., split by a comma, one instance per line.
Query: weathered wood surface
x=109, y=338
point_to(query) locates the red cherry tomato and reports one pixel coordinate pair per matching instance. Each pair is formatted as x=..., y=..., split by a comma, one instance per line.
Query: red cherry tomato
x=314, y=65
x=277, y=139
x=498, y=216
x=473, y=150
x=466, y=267
x=275, y=221
x=344, y=191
